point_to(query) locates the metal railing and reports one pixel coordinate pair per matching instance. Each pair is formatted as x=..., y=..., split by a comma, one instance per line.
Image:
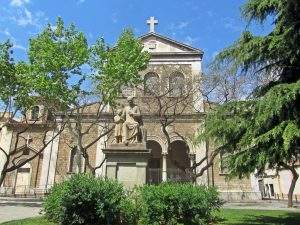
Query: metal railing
x=154, y=175
x=178, y=175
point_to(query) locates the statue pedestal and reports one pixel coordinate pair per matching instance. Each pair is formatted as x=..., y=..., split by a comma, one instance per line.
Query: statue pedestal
x=127, y=164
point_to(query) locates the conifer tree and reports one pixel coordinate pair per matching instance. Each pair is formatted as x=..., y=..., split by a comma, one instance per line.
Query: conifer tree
x=263, y=131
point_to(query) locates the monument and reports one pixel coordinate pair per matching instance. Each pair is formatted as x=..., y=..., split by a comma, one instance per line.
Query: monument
x=127, y=157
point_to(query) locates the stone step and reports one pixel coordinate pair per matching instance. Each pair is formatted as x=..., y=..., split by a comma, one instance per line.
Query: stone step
x=10, y=201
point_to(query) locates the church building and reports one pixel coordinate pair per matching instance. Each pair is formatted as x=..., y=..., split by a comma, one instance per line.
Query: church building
x=174, y=64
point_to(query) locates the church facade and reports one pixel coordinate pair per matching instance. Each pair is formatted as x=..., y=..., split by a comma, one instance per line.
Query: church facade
x=171, y=63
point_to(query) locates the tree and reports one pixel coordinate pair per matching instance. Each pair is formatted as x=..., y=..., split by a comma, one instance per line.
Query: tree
x=58, y=55
x=19, y=95
x=9, y=98
x=223, y=83
x=263, y=131
x=113, y=68
x=119, y=66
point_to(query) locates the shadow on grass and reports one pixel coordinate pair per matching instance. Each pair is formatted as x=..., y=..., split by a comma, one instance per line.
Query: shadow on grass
x=282, y=218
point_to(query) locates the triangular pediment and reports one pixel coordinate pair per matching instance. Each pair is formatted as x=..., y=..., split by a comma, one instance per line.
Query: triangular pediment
x=26, y=149
x=23, y=153
x=156, y=43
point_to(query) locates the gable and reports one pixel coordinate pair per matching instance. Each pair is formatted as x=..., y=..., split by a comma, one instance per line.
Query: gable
x=26, y=150
x=156, y=43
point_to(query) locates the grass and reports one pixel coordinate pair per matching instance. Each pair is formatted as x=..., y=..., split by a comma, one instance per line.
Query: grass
x=30, y=221
x=227, y=217
x=258, y=217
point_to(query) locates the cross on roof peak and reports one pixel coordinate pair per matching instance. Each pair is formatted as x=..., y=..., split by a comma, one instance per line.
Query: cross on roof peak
x=28, y=139
x=152, y=22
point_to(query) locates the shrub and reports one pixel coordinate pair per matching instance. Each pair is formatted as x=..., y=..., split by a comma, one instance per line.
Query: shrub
x=170, y=204
x=86, y=200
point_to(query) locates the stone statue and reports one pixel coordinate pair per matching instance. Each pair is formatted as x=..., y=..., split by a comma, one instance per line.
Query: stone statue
x=128, y=124
x=118, y=126
x=131, y=126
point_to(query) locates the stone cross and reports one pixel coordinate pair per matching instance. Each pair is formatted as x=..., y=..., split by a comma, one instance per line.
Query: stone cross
x=152, y=22
x=28, y=140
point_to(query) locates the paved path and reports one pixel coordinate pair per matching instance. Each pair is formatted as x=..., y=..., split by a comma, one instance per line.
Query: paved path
x=263, y=205
x=15, y=209
x=8, y=213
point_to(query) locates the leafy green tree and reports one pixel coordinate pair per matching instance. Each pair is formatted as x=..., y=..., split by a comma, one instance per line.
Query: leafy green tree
x=7, y=69
x=8, y=90
x=56, y=58
x=14, y=91
x=118, y=66
x=263, y=131
x=113, y=69
x=55, y=76
x=17, y=98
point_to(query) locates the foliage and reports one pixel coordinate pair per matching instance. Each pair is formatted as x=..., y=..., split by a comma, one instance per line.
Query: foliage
x=57, y=55
x=15, y=90
x=258, y=132
x=86, y=200
x=7, y=72
x=171, y=203
x=263, y=131
x=118, y=66
x=276, y=52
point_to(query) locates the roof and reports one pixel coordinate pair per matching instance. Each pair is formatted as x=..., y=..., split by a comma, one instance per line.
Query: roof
x=188, y=47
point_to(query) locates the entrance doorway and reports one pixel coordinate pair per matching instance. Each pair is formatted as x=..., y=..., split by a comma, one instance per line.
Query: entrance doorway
x=154, y=175
x=178, y=161
x=23, y=179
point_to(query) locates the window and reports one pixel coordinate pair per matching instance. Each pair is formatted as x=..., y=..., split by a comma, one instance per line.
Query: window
x=50, y=116
x=152, y=45
x=75, y=161
x=35, y=113
x=176, y=84
x=127, y=91
x=26, y=151
x=272, y=189
x=151, y=83
x=223, y=163
x=267, y=193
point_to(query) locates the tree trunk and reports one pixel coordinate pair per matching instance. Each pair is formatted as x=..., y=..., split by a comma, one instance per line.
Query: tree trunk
x=2, y=177
x=3, y=172
x=292, y=186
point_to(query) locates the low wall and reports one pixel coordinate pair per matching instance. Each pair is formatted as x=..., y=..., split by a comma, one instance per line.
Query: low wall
x=239, y=196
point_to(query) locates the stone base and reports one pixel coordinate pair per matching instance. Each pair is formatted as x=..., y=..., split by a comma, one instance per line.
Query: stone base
x=127, y=164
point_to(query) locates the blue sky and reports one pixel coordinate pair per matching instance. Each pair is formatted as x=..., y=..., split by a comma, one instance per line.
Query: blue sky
x=205, y=24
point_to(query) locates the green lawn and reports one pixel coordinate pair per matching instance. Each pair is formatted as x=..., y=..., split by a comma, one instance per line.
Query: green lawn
x=32, y=221
x=258, y=217
x=228, y=217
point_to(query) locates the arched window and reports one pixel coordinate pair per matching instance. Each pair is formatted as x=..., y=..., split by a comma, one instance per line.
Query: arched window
x=35, y=113
x=176, y=84
x=75, y=161
x=127, y=91
x=151, y=84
